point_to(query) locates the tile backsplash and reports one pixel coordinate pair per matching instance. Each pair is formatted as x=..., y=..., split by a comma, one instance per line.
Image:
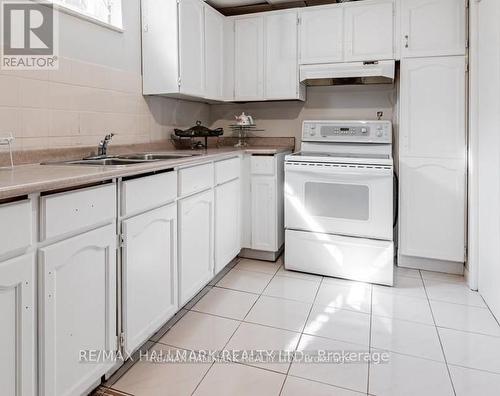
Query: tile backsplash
x=81, y=102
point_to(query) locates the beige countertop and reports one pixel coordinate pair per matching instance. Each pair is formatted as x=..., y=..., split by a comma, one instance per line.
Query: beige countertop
x=28, y=179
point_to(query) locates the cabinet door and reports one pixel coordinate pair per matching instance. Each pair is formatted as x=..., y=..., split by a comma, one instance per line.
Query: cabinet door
x=191, y=47
x=78, y=310
x=433, y=110
x=195, y=233
x=249, y=58
x=264, y=213
x=321, y=35
x=432, y=27
x=214, y=54
x=17, y=327
x=149, y=270
x=432, y=208
x=369, y=31
x=281, y=71
x=227, y=223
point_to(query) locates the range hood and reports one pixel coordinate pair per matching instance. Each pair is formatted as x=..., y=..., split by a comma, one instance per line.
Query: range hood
x=377, y=72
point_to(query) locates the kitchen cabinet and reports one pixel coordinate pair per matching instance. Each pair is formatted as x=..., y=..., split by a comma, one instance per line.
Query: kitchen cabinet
x=369, y=31
x=264, y=210
x=17, y=327
x=149, y=271
x=249, y=58
x=195, y=240
x=214, y=53
x=77, y=298
x=227, y=223
x=321, y=34
x=433, y=27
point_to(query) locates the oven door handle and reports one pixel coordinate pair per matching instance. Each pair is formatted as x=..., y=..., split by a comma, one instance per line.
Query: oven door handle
x=371, y=171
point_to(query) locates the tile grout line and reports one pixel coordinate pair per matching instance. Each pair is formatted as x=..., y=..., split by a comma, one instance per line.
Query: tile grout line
x=438, y=335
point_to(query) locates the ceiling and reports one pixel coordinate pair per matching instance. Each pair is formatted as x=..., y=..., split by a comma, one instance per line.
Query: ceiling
x=237, y=7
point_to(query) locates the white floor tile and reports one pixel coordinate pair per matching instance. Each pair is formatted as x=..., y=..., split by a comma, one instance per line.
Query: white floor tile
x=267, y=267
x=162, y=379
x=292, y=289
x=409, y=376
x=469, y=382
x=248, y=281
x=465, y=317
x=300, y=275
x=224, y=302
x=405, y=286
x=241, y=380
x=352, y=375
x=404, y=337
x=200, y=331
x=251, y=336
x=406, y=272
x=471, y=350
x=299, y=387
x=429, y=275
x=353, y=296
x=401, y=307
x=280, y=313
x=339, y=324
x=453, y=292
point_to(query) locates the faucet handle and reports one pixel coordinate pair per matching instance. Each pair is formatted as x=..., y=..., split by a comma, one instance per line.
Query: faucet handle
x=109, y=136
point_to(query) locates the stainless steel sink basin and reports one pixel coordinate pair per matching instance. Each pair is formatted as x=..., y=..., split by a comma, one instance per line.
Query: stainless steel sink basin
x=154, y=157
x=124, y=160
x=105, y=161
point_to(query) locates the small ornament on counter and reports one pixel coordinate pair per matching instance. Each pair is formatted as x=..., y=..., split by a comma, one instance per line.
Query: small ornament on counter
x=244, y=119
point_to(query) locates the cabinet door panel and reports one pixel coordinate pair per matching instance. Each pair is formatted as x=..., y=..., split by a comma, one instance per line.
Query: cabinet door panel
x=17, y=327
x=281, y=56
x=78, y=300
x=433, y=107
x=321, y=35
x=369, y=31
x=432, y=27
x=149, y=273
x=214, y=44
x=195, y=233
x=264, y=213
x=432, y=208
x=227, y=223
x=191, y=47
x=249, y=58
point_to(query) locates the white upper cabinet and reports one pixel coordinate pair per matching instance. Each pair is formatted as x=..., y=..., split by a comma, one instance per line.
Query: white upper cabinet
x=249, y=58
x=433, y=107
x=191, y=47
x=281, y=66
x=214, y=53
x=432, y=27
x=321, y=34
x=369, y=31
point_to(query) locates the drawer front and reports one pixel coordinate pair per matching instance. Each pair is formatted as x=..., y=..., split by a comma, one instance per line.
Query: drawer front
x=262, y=165
x=196, y=178
x=227, y=170
x=148, y=192
x=16, y=228
x=75, y=210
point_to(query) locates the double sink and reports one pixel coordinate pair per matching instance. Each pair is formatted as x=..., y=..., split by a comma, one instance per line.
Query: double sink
x=128, y=159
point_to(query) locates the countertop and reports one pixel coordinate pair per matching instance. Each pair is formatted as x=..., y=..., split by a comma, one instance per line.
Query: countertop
x=33, y=178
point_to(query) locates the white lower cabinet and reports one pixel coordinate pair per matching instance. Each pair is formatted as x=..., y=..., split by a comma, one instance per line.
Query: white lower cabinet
x=227, y=223
x=195, y=240
x=77, y=300
x=17, y=326
x=149, y=273
x=264, y=213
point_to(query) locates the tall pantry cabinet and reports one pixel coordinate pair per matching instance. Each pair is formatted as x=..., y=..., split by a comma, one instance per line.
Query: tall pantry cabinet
x=433, y=162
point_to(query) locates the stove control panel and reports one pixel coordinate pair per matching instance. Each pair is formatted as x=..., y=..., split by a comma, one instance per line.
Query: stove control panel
x=347, y=131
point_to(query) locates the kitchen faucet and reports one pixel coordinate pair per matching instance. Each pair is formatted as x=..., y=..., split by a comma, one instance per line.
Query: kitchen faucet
x=102, y=150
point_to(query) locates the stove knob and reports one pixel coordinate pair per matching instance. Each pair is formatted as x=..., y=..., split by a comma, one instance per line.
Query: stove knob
x=379, y=133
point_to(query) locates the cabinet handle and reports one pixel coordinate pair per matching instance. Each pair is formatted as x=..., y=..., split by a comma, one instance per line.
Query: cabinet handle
x=406, y=41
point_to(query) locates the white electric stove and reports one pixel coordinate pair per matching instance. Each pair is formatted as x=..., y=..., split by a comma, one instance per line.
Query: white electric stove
x=339, y=201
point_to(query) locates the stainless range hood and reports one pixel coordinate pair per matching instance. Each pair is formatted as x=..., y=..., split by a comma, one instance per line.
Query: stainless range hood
x=378, y=72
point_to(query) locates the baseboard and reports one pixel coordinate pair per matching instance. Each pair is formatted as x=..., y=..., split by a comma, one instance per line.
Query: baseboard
x=426, y=264
x=261, y=254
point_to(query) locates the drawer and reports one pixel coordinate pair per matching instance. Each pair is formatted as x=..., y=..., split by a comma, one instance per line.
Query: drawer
x=227, y=170
x=16, y=226
x=196, y=178
x=76, y=210
x=148, y=192
x=262, y=165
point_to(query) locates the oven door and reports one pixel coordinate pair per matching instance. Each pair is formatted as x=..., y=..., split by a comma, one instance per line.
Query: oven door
x=354, y=200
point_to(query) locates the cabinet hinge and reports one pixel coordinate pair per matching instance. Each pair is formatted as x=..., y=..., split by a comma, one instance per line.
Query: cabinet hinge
x=298, y=20
x=179, y=81
x=121, y=340
x=121, y=241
